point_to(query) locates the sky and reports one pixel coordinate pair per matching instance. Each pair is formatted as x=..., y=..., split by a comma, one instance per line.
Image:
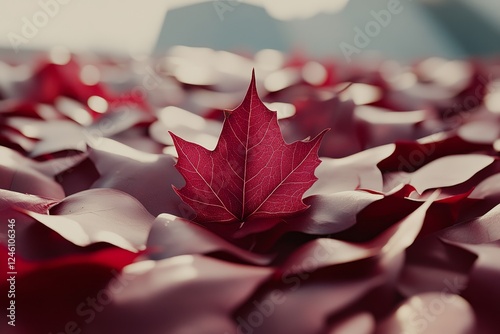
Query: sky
x=122, y=26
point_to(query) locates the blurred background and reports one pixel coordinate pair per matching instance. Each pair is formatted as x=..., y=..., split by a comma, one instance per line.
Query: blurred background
x=413, y=29
x=374, y=71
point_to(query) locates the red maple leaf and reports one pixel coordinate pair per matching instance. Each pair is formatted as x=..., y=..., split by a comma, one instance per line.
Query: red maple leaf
x=252, y=172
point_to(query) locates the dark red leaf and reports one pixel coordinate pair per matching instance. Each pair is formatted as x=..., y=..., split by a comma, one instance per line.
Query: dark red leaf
x=58, y=287
x=482, y=287
x=252, y=172
x=53, y=80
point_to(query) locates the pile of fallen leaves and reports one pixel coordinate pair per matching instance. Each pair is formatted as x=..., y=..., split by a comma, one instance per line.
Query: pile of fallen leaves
x=156, y=196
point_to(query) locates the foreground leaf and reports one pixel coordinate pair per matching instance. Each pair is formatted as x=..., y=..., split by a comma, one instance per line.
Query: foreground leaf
x=179, y=295
x=252, y=172
x=99, y=215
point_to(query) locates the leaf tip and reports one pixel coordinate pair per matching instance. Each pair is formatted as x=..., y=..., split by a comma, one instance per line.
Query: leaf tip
x=174, y=137
x=252, y=93
x=318, y=137
x=253, y=86
x=322, y=133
